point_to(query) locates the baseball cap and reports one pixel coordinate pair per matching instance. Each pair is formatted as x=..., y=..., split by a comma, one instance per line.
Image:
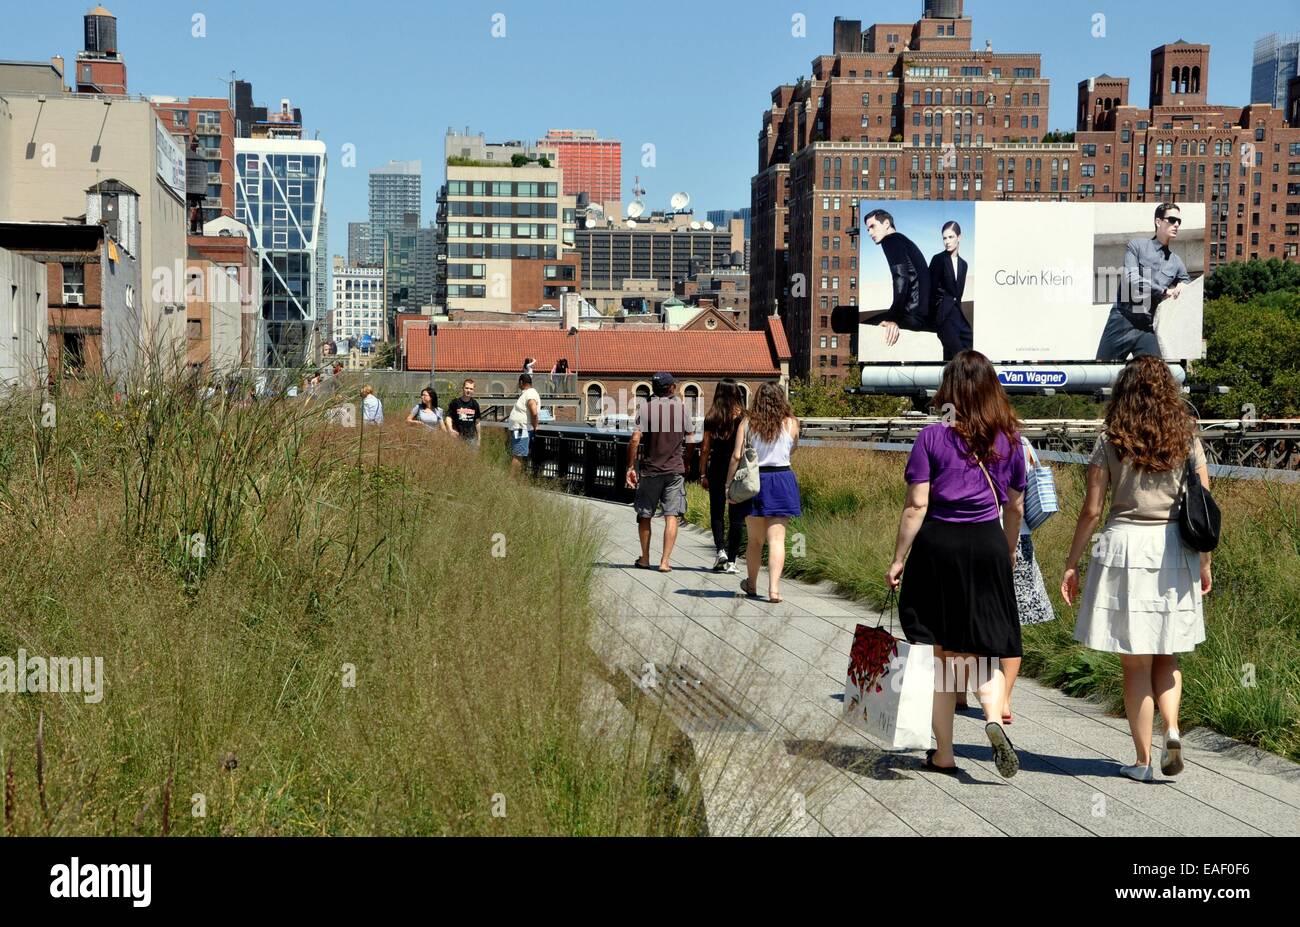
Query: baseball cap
x=661, y=381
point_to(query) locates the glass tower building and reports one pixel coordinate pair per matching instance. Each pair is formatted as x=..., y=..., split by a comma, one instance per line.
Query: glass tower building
x=279, y=195
x=394, y=198
x=1277, y=60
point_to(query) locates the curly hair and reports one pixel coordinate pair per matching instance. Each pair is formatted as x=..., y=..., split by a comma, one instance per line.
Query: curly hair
x=769, y=411
x=971, y=386
x=1147, y=421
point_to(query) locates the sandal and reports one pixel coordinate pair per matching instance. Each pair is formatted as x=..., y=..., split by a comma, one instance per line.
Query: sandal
x=1004, y=752
x=641, y=566
x=930, y=766
x=777, y=600
x=749, y=593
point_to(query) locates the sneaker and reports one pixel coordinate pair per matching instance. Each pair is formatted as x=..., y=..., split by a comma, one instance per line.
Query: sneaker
x=729, y=567
x=720, y=563
x=1138, y=773
x=1171, y=761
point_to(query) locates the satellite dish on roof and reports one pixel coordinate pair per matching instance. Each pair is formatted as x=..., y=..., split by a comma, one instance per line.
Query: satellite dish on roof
x=696, y=226
x=631, y=223
x=708, y=226
x=635, y=208
x=680, y=201
x=592, y=216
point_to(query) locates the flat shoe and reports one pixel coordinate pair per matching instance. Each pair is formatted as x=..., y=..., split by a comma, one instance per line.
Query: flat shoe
x=1004, y=752
x=931, y=767
x=1171, y=761
x=1138, y=773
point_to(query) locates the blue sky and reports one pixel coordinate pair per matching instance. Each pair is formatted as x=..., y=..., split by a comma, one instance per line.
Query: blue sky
x=691, y=77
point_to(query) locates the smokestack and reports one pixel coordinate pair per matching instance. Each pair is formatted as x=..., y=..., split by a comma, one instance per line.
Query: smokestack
x=57, y=62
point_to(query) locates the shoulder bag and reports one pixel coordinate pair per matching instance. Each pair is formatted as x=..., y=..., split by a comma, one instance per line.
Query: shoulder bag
x=1199, y=518
x=1040, y=491
x=745, y=481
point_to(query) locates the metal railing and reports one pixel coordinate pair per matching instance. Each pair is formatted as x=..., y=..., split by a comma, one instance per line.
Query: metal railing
x=591, y=461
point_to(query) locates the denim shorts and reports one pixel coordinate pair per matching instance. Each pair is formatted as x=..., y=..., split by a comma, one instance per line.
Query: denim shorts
x=518, y=446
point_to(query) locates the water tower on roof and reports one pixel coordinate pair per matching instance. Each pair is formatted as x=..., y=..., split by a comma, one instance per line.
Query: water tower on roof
x=100, y=68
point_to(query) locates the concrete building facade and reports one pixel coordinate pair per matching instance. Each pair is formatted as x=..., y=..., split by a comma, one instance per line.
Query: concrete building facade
x=23, y=321
x=489, y=217
x=53, y=150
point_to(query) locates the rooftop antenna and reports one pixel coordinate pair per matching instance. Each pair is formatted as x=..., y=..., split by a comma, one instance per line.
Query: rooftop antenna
x=636, y=207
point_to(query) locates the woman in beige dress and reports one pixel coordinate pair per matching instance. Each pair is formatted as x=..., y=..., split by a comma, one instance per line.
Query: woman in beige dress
x=1142, y=597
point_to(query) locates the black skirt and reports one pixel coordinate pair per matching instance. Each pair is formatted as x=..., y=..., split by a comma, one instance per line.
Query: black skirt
x=958, y=592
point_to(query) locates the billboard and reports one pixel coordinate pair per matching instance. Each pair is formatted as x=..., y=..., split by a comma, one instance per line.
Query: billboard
x=170, y=159
x=1029, y=282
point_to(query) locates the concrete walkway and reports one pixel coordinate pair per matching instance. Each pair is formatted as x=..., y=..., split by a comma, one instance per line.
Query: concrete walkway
x=787, y=764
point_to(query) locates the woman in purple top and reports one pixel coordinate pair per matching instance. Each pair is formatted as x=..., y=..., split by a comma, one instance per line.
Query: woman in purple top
x=957, y=590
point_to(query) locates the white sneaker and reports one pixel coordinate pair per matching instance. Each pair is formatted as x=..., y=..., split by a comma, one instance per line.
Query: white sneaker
x=1138, y=773
x=720, y=562
x=730, y=567
x=1171, y=761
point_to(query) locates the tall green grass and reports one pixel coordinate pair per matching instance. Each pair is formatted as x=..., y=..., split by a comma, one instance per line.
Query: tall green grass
x=1243, y=681
x=305, y=629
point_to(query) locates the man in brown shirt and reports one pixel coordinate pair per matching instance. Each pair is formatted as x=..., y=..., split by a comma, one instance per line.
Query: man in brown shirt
x=661, y=483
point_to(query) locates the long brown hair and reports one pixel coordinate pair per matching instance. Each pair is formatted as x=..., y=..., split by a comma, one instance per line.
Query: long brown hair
x=770, y=411
x=971, y=393
x=728, y=408
x=1147, y=421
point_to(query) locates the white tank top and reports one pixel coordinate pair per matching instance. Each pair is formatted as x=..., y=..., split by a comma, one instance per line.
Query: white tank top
x=775, y=454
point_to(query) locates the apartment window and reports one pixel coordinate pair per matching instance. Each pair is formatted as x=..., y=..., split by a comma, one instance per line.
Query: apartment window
x=74, y=283
x=194, y=329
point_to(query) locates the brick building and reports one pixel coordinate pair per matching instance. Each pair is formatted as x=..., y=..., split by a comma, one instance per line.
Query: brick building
x=610, y=365
x=207, y=126
x=910, y=111
x=1243, y=162
x=896, y=111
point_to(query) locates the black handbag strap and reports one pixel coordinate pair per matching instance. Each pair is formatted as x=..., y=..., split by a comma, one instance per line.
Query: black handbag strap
x=890, y=607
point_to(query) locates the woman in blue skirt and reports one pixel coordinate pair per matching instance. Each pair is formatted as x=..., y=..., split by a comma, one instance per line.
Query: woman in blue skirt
x=773, y=431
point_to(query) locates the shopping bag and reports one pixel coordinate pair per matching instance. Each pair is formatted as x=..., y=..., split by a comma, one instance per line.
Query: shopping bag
x=889, y=690
x=1040, y=493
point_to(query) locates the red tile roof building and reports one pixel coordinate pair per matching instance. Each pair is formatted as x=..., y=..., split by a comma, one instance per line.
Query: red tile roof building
x=608, y=363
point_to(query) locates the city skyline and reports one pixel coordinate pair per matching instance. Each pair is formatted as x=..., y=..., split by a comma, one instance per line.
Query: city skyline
x=393, y=115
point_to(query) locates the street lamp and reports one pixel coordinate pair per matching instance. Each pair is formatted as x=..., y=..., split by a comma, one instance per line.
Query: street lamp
x=577, y=357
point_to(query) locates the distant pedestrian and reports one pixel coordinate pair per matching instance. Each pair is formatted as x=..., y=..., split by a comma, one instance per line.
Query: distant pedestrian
x=773, y=430
x=561, y=367
x=1032, y=602
x=372, y=410
x=957, y=589
x=523, y=422
x=426, y=411
x=660, y=482
x=1145, y=585
x=464, y=415
x=528, y=365
x=720, y=424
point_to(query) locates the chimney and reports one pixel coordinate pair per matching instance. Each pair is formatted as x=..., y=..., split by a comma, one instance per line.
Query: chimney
x=57, y=63
x=569, y=310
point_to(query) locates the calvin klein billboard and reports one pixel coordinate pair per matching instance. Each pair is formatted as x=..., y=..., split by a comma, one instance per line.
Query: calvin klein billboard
x=1028, y=282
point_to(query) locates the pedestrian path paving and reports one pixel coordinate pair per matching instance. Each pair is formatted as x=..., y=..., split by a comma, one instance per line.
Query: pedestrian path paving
x=798, y=769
